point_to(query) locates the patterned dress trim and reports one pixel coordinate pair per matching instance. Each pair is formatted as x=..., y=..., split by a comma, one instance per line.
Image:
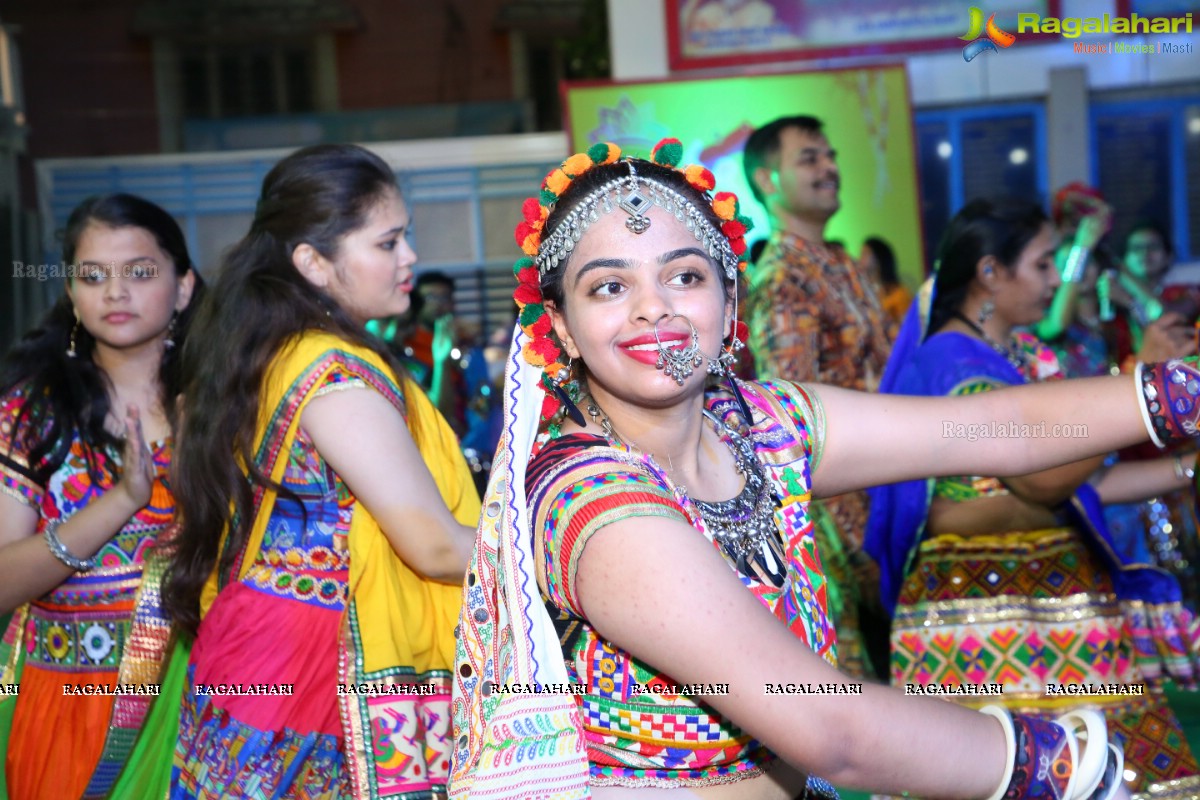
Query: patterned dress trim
x=141, y=664
x=284, y=417
x=573, y=468
x=1032, y=611
x=389, y=739
x=108, y=621
x=579, y=483
x=304, y=766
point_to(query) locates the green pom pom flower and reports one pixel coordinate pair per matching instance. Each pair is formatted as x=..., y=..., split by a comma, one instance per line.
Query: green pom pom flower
x=668, y=153
x=598, y=152
x=531, y=313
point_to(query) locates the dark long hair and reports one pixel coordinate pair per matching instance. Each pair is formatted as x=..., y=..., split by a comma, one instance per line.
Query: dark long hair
x=886, y=258
x=69, y=396
x=1000, y=227
x=259, y=301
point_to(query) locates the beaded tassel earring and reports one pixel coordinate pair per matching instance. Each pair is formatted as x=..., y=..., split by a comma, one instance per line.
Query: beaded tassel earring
x=558, y=386
x=986, y=310
x=71, y=352
x=727, y=359
x=169, y=342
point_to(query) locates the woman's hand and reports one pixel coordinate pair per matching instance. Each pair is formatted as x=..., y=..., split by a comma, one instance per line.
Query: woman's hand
x=1167, y=337
x=27, y=567
x=137, y=474
x=442, y=346
x=1094, y=225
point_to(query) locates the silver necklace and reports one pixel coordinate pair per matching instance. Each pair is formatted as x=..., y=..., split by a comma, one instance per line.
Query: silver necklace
x=744, y=526
x=1013, y=353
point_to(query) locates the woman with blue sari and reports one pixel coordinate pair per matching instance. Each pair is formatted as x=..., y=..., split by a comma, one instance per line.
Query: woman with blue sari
x=1015, y=581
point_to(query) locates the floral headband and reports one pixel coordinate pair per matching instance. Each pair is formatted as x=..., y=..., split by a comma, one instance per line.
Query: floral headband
x=633, y=194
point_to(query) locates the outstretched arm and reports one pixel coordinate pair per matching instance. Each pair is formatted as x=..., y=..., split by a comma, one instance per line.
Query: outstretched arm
x=880, y=740
x=1132, y=481
x=1012, y=431
x=1071, y=261
x=366, y=441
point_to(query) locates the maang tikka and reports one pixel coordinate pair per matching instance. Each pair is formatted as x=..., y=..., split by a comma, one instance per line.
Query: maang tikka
x=635, y=195
x=633, y=203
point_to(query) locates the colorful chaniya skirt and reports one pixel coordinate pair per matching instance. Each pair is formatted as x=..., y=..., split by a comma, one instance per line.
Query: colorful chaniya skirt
x=262, y=715
x=1034, y=611
x=259, y=716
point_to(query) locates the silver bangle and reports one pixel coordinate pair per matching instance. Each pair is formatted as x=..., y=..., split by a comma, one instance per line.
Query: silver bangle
x=1183, y=472
x=59, y=550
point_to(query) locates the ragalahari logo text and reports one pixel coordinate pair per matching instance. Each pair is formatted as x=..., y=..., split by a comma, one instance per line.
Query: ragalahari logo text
x=991, y=36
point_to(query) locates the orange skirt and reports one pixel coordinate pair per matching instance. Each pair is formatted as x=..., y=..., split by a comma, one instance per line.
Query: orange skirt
x=56, y=738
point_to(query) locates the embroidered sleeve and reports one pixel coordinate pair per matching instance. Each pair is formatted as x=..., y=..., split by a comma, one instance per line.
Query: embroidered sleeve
x=812, y=415
x=803, y=412
x=347, y=371
x=573, y=492
x=338, y=382
x=784, y=317
x=16, y=473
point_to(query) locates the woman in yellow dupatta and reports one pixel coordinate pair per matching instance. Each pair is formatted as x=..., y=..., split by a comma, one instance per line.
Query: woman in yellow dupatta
x=316, y=563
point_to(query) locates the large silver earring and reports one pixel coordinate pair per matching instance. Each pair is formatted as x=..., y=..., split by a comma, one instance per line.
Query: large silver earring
x=986, y=310
x=71, y=352
x=722, y=365
x=558, y=384
x=679, y=364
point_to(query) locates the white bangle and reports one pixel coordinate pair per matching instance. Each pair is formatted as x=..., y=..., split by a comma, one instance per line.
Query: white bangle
x=1010, y=746
x=1141, y=401
x=1089, y=769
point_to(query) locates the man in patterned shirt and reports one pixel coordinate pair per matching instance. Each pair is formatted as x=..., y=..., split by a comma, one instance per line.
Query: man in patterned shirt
x=814, y=316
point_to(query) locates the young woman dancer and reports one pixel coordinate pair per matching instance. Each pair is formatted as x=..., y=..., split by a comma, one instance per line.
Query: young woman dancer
x=645, y=614
x=327, y=514
x=86, y=401
x=1017, y=581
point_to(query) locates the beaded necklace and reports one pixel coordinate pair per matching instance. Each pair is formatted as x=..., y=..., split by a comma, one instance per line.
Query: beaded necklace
x=743, y=526
x=1013, y=353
